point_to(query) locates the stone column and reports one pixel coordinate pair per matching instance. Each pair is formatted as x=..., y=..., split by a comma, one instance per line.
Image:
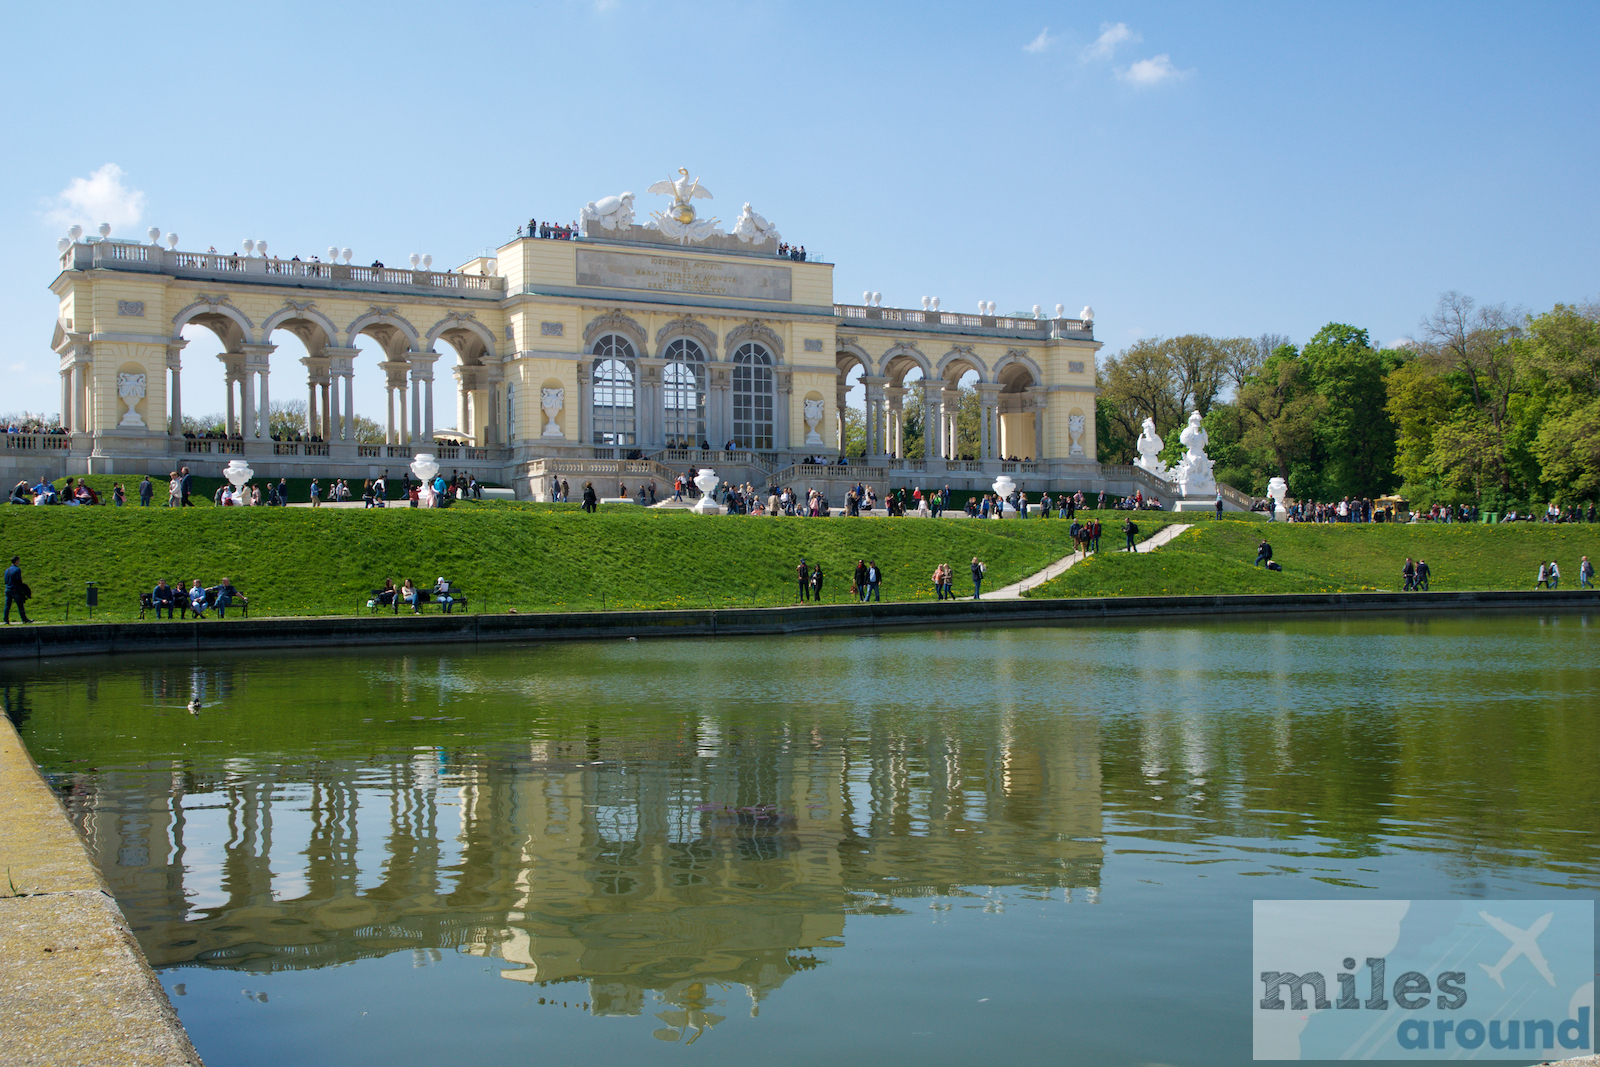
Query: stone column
x=388, y=414
x=782, y=411
x=873, y=388
x=1038, y=427
x=266, y=408
x=427, y=411
x=311, y=407
x=461, y=406
x=895, y=408
x=327, y=410
x=840, y=398
x=989, y=394
x=247, y=404
x=416, y=408
x=229, y=425
x=334, y=420
x=350, y=407
x=932, y=418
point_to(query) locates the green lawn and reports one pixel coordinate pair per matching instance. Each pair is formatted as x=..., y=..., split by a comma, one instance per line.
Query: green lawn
x=1216, y=557
x=299, y=561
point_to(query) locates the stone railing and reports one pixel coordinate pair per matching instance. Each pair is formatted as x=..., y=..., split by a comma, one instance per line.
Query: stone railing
x=117, y=255
x=808, y=473
x=38, y=442
x=601, y=468
x=1054, y=328
x=715, y=457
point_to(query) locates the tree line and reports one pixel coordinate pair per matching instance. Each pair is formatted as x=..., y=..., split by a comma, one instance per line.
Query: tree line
x=1484, y=406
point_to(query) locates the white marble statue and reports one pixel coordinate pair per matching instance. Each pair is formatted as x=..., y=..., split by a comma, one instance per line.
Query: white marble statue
x=753, y=229
x=680, y=220
x=611, y=212
x=1192, y=479
x=708, y=481
x=813, y=414
x=130, y=387
x=1075, y=433
x=1277, y=489
x=1150, y=446
x=551, y=400
x=1004, y=486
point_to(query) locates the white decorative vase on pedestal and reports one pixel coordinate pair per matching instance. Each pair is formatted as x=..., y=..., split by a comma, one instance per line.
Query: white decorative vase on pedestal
x=813, y=415
x=424, y=466
x=130, y=388
x=238, y=472
x=551, y=400
x=707, y=482
x=1277, y=489
x=1004, y=486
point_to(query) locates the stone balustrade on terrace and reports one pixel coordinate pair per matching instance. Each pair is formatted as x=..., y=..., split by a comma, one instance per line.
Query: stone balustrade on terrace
x=957, y=322
x=151, y=259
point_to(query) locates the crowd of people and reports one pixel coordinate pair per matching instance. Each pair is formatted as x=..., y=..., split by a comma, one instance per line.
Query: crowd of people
x=35, y=426
x=196, y=600
x=794, y=252
x=549, y=230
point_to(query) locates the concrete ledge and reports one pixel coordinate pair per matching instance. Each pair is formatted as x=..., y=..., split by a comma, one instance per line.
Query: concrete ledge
x=19, y=642
x=77, y=988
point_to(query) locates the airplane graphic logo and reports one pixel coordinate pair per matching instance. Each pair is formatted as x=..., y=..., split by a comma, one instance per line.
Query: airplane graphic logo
x=1523, y=943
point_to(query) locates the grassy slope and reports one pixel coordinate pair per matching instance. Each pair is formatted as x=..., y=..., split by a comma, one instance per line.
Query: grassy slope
x=1216, y=557
x=300, y=561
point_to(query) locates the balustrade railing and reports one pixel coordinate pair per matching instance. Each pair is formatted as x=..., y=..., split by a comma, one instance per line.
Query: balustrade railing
x=201, y=447
x=1052, y=327
x=315, y=448
x=369, y=451
x=114, y=255
x=285, y=448
x=38, y=442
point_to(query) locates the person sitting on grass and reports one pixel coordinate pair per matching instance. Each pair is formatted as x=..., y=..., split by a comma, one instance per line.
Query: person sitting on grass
x=163, y=597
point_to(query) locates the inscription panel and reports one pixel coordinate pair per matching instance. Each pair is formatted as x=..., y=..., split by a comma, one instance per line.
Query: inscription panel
x=683, y=274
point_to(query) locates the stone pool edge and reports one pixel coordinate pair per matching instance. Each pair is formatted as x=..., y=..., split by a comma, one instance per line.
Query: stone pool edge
x=42, y=641
x=78, y=988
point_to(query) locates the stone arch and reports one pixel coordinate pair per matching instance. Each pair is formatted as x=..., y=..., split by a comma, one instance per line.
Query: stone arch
x=688, y=326
x=958, y=361
x=299, y=318
x=614, y=321
x=220, y=317
x=1011, y=367
x=758, y=331
x=388, y=327
x=846, y=352
x=460, y=329
x=898, y=361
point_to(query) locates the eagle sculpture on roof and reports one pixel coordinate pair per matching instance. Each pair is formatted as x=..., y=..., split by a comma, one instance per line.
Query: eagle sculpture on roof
x=682, y=191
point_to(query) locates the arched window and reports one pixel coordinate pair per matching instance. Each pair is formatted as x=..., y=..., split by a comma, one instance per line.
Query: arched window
x=613, y=381
x=683, y=388
x=752, y=397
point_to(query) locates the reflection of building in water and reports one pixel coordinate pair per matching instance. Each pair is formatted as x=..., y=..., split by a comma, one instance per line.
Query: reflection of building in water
x=635, y=867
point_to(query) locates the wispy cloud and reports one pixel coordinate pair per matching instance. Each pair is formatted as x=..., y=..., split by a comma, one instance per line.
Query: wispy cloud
x=1153, y=71
x=1041, y=42
x=603, y=6
x=101, y=197
x=1111, y=35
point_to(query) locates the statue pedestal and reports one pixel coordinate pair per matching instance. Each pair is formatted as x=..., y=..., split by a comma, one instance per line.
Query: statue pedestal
x=1196, y=505
x=706, y=506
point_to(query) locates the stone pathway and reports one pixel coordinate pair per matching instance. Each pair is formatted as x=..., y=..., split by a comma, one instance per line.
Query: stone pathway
x=1059, y=567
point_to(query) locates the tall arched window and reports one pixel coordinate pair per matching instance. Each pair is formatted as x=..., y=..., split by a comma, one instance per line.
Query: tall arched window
x=613, y=381
x=752, y=397
x=683, y=387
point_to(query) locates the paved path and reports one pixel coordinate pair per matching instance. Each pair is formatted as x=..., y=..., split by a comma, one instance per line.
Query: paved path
x=1059, y=567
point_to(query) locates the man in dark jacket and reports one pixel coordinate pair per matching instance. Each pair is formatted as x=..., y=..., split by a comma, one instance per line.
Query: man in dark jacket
x=146, y=490
x=874, y=579
x=802, y=575
x=1263, y=554
x=977, y=579
x=1130, y=531
x=1424, y=572
x=184, y=485
x=16, y=590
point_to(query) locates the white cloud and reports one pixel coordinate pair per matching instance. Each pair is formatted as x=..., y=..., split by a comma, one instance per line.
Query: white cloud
x=1041, y=42
x=1152, y=71
x=1111, y=35
x=101, y=197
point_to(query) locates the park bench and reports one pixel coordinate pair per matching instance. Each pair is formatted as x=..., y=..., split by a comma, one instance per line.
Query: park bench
x=424, y=598
x=180, y=603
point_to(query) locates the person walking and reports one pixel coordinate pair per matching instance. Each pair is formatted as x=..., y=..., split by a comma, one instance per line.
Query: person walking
x=1264, y=554
x=874, y=580
x=1544, y=576
x=1555, y=575
x=938, y=582
x=1586, y=574
x=1219, y=503
x=1130, y=531
x=17, y=591
x=316, y=494
x=858, y=584
x=816, y=583
x=1409, y=573
x=802, y=576
x=977, y=578
x=185, y=484
x=591, y=502
x=1424, y=572
x=146, y=491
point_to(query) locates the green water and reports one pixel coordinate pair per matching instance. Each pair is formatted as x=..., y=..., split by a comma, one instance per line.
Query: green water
x=1005, y=846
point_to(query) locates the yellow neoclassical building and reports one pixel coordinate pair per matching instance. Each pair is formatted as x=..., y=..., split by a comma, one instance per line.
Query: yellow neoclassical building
x=625, y=351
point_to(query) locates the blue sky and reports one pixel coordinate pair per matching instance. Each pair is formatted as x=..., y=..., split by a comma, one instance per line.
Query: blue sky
x=1227, y=169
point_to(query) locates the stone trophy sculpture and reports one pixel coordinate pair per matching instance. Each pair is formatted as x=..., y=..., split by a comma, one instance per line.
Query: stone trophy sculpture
x=551, y=400
x=130, y=388
x=1192, y=479
x=680, y=219
x=1004, y=486
x=423, y=467
x=1277, y=489
x=1149, y=446
x=753, y=229
x=1075, y=433
x=813, y=415
x=611, y=212
x=707, y=481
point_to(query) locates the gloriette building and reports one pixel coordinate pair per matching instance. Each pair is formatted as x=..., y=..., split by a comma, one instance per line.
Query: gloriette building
x=629, y=351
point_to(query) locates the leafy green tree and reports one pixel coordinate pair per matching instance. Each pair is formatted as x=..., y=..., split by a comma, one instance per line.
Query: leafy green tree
x=1279, y=408
x=1559, y=362
x=1354, y=434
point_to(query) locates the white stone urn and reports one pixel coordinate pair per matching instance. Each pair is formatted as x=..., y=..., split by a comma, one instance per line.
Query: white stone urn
x=1277, y=489
x=1004, y=486
x=424, y=466
x=238, y=472
x=551, y=400
x=707, y=481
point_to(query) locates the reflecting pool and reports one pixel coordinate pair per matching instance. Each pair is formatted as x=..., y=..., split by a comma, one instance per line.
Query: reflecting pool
x=943, y=847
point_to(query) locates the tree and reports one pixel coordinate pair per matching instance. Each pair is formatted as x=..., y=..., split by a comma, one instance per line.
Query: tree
x=1460, y=338
x=1420, y=402
x=1355, y=436
x=1280, y=407
x=287, y=418
x=1559, y=363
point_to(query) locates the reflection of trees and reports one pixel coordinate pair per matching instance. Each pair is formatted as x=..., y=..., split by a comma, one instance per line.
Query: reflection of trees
x=671, y=866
